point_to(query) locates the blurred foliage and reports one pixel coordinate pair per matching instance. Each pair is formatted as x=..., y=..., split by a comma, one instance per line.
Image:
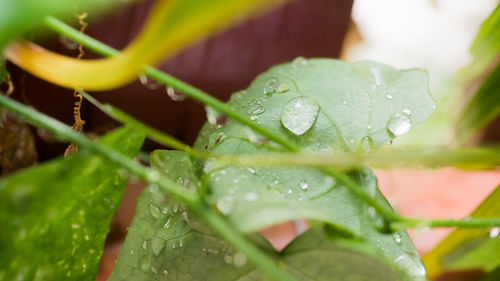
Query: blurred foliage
x=171, y=25
x=469, y=248
x=55, y=216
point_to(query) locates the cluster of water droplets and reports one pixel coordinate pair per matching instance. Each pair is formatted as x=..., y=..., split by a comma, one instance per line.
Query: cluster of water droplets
x=152, y=84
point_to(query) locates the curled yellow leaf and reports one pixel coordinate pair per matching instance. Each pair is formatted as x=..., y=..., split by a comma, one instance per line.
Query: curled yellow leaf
x=171, y=25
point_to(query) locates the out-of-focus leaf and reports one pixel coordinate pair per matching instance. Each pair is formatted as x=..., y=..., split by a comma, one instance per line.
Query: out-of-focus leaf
x=54, y=217
x=469, y=248
x=172, y=24
x=483, y=108
x=486, y=46
x=4, y=74
x=492, y=276
x=322, y=105
x=19, y=16
x=166, y=242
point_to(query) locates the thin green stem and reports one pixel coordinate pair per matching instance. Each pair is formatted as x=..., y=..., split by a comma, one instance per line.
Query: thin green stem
x=207, y=99
x=193, y=201
x=404, y=222
x=152, y=133
x=173, y=82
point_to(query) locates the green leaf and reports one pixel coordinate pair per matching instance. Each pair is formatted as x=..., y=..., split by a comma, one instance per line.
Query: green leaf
x=166, y=242
x=469, y=248
x=55, y=216
x=486, y=46
x=492, y=276
x=18, y=17
x=362, y=106
x=483, y=108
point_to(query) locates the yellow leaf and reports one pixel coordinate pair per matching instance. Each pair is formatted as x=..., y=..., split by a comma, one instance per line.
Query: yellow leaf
x=172, y=25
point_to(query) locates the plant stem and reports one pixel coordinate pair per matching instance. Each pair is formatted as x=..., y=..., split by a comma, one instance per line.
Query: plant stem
x=404, y=222
x=207, y=99
x=152, y=133
x=233, y=236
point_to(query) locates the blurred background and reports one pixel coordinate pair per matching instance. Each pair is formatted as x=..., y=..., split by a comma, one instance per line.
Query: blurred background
x=431, y=34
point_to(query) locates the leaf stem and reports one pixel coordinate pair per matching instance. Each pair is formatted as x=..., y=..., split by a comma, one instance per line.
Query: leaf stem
x=193, y=201
x=207, y=99
x=404, y=222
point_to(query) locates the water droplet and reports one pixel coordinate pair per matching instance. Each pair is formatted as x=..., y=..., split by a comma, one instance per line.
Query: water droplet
x=175, y=95
x=389, y=96
x=167, y=223
x=145, y=245
x=414, y=268
x=253, y=117
x=154, y=211
x=494, y=232
x=254, y=107
x=165, y=272
x=304, y=185
x=239, y=259
x=214, y=117
x=228, y=258
x=377, y=76
x=181, y=243
x=366, y=144
x=399, y=124
x=344, y=102
x=145, y=263
x=397, y=237
x=251, y=196
x=131, y=252
x=153, y=270
x=157, y=245
x=270, y=86
x=299, y=114
x=225, y=204
x=368, y=126
x=252, y=170
x=299, y=62
x=407, y=111
x=149, y=83
x=289, y=191
x=68, y=43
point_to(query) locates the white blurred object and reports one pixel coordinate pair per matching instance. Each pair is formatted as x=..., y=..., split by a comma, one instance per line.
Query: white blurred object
x=435, y=35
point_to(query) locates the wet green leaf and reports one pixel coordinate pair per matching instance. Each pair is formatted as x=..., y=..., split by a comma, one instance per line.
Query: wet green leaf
x=362, y=106
x=467, y=249
x=54, y=217
x=166, y=242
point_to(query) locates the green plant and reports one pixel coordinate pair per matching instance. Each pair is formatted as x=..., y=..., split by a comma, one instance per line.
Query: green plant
x=265, y=157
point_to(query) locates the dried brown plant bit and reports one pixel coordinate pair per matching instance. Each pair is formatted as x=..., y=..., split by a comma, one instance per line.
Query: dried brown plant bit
x=17, y=145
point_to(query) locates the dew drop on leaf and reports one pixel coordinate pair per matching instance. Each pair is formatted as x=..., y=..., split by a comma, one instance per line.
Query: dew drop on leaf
x=175, y=95
x=304, y=185
x=397, y=237
x=144, y=263
x=494, y=232
x=239, y=259
x=154, y=211
x=271, y=86
x=299, y=114
x=416, y=271
x=149, y=83
x=225, y=204
x=399, y=124
x=389, y=96
x=68, y=43
x=251, y=196
x=157, y=245
x=366, y=144
x=407, y=111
